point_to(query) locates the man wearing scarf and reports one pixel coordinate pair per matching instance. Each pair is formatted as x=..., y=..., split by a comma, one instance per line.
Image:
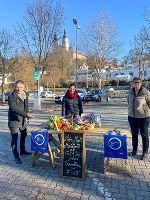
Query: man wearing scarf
x=17, y=119
x=71, y=104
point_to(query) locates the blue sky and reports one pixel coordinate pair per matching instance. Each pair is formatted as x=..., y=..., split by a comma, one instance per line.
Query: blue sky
x=127, y=15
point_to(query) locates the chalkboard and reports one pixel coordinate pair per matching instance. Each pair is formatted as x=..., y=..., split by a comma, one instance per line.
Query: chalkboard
x=73, y=154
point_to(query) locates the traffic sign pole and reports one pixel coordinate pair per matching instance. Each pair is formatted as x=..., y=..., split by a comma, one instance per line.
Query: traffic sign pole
x=37, y=100
x=36, y=75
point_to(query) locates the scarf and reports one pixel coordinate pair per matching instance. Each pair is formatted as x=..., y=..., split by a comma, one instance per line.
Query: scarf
x=71, y=95
x=22, y=96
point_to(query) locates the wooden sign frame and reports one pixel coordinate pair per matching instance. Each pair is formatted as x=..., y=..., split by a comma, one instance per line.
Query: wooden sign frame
x=83, y=153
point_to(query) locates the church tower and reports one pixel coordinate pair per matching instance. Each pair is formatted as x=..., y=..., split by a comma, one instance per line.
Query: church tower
x=55, y=42
x=65, y=41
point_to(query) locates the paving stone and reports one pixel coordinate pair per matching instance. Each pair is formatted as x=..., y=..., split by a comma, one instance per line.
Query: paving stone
x=93, y=197
x=70, y=198
x=74, y=195
x=140, y=198
x=119, y=195
x=85, y=196
x=43, y=183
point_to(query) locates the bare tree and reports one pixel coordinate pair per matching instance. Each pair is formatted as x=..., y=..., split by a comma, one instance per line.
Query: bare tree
x=140, y=50
x=100, y=43
x=7, y=58
x=64, y=61
x=23, y=69
x=60, y=61
x=43, y=19
x=147, y=18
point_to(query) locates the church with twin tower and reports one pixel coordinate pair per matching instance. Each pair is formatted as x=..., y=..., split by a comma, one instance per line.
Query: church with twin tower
x=65, y=46
x=65, y=42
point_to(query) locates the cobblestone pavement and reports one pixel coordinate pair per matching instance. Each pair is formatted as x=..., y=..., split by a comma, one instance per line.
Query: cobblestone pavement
x=24, y=182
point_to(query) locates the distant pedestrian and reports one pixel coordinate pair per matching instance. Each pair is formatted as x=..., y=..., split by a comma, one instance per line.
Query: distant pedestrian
x=18, y=116
x=139, y=115
x=107, y=95
x=72, y=103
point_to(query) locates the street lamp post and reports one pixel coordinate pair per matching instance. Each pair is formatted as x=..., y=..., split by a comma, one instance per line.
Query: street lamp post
x=87, y=78
x=77, y=27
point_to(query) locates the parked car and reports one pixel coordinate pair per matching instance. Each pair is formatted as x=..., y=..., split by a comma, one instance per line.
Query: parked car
x=88, y=96
x=81, y=93
x=111, y=89
x=147, y=86
x=98, y=95
x=6, y=95
x=48, y=94
x=58, y=99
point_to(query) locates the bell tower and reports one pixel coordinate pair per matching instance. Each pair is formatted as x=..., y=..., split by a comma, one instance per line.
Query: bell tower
x=55, y=42
x=65, y=41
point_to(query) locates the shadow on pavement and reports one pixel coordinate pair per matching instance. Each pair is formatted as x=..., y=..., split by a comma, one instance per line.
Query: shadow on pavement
x=43, y=179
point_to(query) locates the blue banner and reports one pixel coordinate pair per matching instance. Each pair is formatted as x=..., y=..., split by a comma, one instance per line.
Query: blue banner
x=115, y=145
x=39, y=141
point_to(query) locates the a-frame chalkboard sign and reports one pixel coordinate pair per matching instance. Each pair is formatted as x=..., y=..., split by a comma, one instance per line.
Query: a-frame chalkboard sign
x=73, y=154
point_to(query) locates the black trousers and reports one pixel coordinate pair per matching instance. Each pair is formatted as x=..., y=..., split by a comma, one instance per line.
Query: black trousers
x=14, y=135
x=139, y=125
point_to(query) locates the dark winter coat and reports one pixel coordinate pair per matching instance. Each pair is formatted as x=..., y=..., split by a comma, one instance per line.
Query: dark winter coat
x=71, y=106
x=18, y=110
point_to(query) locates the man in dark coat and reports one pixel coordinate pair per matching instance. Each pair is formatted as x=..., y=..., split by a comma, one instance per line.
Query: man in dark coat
x=17, y=118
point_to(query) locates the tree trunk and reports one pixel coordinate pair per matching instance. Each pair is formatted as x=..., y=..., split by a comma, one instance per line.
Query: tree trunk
x=139, y=68
x=100, y=83
x=3, y=92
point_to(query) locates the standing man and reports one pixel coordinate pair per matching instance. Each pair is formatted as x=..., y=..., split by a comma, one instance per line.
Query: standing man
x=139, y=115
x=17, y=118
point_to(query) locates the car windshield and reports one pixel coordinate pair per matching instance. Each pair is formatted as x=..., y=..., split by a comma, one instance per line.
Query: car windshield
x=7, y=93
x=80, y=91
x=96, y=91
x=89, y=92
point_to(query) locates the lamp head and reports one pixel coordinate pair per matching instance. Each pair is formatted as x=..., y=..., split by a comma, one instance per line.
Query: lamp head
x=74, y=21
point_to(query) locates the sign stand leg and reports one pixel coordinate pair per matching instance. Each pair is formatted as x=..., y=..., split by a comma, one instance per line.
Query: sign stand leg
x=106, y=165
x=51, y=156
x=127, y=166
x=51, y=138
x=36, y=156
